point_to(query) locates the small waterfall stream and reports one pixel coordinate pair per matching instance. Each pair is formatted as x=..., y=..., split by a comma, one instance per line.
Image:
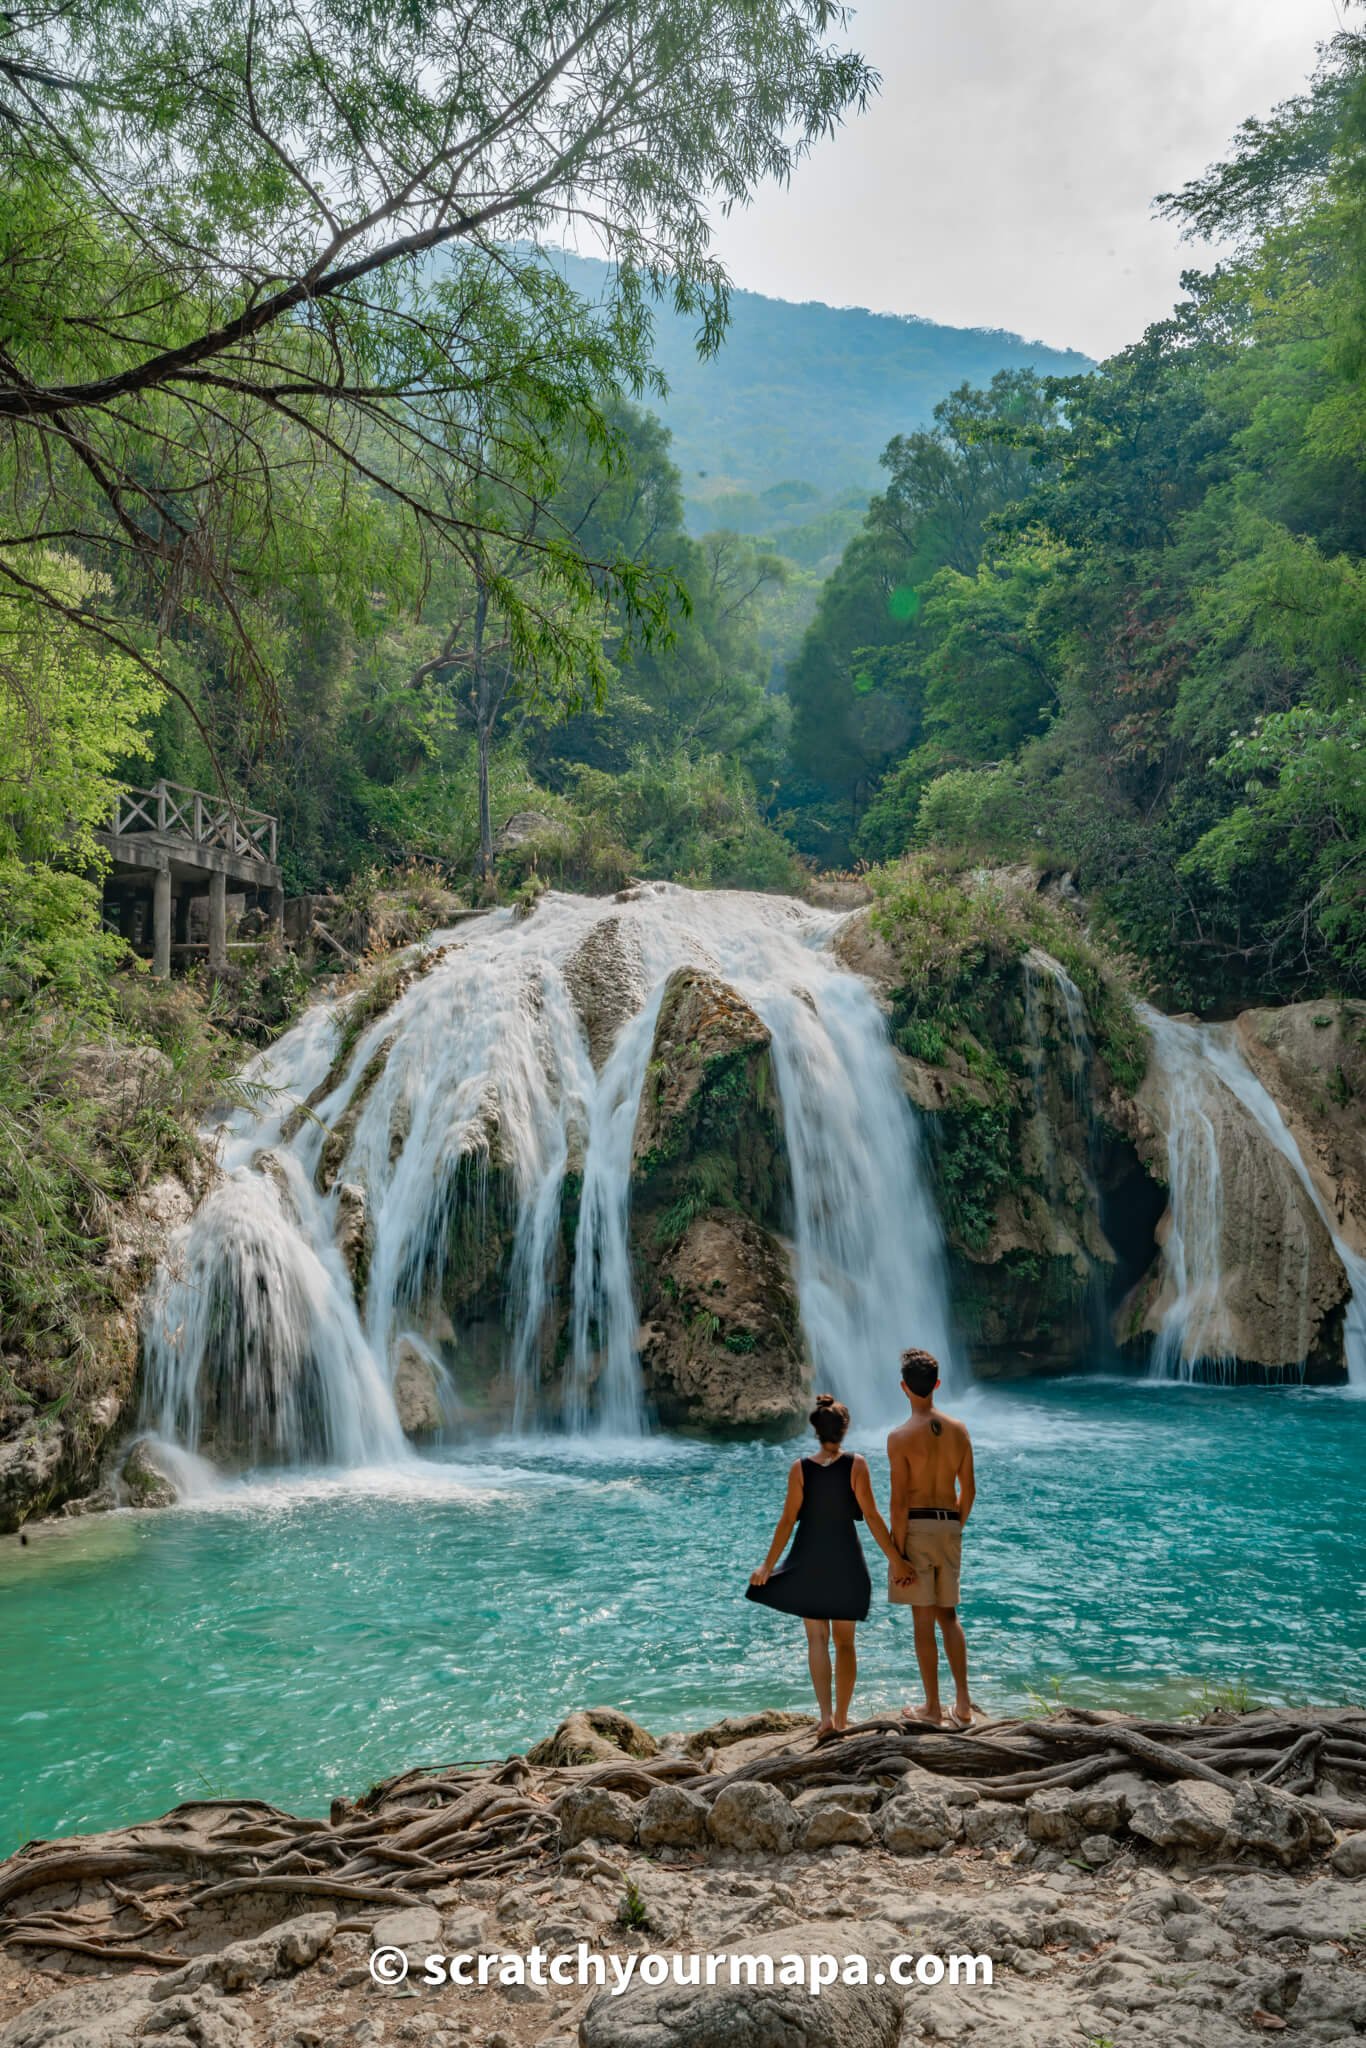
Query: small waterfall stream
x=468, y=1108
x=1197, y=1062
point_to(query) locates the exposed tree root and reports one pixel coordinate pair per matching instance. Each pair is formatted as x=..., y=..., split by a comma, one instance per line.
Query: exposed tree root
x=422, y=1831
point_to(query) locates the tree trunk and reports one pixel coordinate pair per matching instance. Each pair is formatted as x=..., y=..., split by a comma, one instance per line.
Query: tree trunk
x=484, y=716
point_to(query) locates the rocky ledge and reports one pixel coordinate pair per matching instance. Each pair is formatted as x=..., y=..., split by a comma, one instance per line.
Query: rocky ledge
x=1133, y=1883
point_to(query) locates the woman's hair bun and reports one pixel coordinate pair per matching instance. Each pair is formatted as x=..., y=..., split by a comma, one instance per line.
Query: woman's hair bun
x=829, y=1418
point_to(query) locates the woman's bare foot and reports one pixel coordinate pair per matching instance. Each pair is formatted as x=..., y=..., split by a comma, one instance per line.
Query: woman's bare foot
x=824, y=1728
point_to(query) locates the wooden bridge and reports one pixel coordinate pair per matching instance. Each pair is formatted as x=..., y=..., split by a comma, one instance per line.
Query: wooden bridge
x=170, y=845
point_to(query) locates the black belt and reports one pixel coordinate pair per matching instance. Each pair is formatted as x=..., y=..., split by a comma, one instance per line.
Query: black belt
x=932, y=1515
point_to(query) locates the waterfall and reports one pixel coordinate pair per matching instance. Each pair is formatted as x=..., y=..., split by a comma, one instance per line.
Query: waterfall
x=1199, y=1063
x=462, y=1148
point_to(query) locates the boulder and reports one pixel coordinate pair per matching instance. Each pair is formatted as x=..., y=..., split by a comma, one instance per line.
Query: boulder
x=763, y=2014
x=142, y=1482
x=520, y=827
x=594, y=1735
x=591, y=1813
x=1187, y=1814
x=1349, y=1857
x=672, y=1818
x=1064, y=1816
x=1273, y=1823
x=994, y=1824
x=417, y=1930
x=752, y=1818
x=417, y=1391
x=831, y=1821
x=745, y=1728
x=606, y=977
x=918, y=1817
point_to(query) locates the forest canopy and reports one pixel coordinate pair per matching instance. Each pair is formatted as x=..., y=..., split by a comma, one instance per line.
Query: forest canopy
x=1115, y=624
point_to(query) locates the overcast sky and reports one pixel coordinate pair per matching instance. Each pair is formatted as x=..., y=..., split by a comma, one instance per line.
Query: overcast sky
x=1004, y=177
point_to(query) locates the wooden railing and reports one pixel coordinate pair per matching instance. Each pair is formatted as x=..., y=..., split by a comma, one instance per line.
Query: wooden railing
x=178, y=813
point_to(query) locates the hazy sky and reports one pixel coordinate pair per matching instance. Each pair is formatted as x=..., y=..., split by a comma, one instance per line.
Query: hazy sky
x=1005, y=174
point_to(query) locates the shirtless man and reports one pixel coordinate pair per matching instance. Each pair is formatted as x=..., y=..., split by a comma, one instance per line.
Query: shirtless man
x=932, y=1495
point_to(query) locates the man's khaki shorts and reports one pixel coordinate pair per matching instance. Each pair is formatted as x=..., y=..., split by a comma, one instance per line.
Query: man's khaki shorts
x=935, y=1550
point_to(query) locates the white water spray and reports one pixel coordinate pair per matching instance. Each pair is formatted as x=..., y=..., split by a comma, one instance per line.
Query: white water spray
x=454, y=1124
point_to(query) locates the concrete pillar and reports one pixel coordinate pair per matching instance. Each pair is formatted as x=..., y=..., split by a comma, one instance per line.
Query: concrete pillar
x=218, y=923
x=275, y=909
x=182, y=918
x=161, y=923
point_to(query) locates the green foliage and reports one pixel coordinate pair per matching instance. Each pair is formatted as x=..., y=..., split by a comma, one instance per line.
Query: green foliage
x=70, y=718
x=1145, y=664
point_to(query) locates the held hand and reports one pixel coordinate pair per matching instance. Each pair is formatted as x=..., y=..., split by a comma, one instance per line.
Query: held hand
x=759, y=1578
x=903, y=1574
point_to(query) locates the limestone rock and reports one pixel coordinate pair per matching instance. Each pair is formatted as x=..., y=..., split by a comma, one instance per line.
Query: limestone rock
x=865, y=952
x=1265, y=1909
x=355, y=1239
x=520, y=827
x=994, y=1824
x=91, y=2015
x=417, y=1391
x=722, y=1346
x=779, y=2015
x=1186, y=1814
x=292, y=1945
x=592, y=1813
x=594, y=1735
x=1311, y=1059
x=744, y=1728
x=753, y=1818
x=918, y=1818
x=1282, y=1285
x=606, y=977
x=416, y=1930
x=672, y=1818
x=831, y=1821
x=142, y=1482
x=1349, y=1857
x=1059, y=1814
x=1274, y=1823
x=710, y=1051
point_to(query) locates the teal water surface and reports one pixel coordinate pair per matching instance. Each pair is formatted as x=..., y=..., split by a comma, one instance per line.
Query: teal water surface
x=304, y=1636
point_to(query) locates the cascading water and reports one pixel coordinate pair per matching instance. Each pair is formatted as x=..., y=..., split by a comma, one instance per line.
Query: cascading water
x=1197, y=1062
x=452, y=1130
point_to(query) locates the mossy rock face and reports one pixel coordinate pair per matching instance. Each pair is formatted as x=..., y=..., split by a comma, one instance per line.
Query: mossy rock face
x=721, y=1338
x=709, y=1131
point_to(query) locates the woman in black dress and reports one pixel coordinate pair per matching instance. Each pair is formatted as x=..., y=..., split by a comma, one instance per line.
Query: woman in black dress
x=824, y=1578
